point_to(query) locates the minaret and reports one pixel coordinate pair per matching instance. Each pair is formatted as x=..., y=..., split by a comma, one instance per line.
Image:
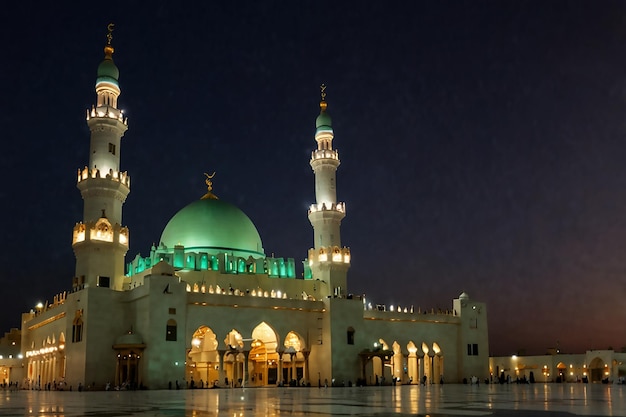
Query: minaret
x=99, y=241
x=328, y=260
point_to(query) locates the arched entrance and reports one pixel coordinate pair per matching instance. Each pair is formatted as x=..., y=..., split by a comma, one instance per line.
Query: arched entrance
x=203, y=365
x=598, y=370
x=376, y=364
x=129, y=349
x=294, y=360
x=561, y=369
x=234, y=359
x=263, y=357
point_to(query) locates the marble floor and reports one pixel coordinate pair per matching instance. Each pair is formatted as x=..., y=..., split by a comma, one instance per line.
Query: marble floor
x=543, y=400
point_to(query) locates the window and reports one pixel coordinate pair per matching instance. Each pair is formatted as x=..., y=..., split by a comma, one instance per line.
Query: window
x=77, y=330
x=170, y=330
x=104, y=282
x=472, y=349
x=350, y=336
x=172, y=310
x=112, y=148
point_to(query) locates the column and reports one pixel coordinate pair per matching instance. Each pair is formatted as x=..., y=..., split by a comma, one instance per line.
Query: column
x=245, y=368
x=220, y=377
x=306, y=354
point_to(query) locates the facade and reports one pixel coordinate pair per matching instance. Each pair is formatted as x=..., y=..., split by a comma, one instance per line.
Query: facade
x=208, y=308
x=605, y=366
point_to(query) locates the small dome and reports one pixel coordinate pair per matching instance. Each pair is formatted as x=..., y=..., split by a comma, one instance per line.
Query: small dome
x=213, y=226
x=323, y=120
x=464, y=296
x=108, y=72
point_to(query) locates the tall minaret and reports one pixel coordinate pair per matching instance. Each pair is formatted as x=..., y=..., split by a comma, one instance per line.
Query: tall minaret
x=328, y=260
x=99, y=241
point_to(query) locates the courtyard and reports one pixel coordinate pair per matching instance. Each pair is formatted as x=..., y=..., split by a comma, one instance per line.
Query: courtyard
x=434, y=401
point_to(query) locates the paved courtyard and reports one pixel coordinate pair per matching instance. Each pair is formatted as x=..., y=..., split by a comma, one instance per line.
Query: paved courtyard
x=434, y=401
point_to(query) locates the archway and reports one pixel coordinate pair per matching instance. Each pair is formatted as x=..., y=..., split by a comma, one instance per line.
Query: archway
x=263, y=357
x=203, y=365
x=597, y=370
x=234, y=359
x=128, y=348
x=294, y=367
x=561, y=372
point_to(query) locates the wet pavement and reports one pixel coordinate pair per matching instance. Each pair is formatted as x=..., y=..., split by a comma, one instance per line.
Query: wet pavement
x=544, y=400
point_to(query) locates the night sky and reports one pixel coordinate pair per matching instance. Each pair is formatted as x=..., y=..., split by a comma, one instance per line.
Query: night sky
x=482, y=145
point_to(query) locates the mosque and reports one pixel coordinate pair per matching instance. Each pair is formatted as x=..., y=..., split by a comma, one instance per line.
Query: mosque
x=209, y=308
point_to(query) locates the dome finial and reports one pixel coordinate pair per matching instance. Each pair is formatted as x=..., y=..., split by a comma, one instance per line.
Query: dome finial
x=110, y=27
x=323, y=103
x=209, y=185
x=108, y=48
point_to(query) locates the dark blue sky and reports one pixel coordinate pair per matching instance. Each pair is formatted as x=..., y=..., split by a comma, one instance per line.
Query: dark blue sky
x=482, y=145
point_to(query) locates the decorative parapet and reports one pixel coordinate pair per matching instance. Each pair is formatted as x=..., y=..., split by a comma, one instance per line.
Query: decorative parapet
x=327, y=254
x=107, y=112
x=202, y=287
x=391, y=309
x=324, y=154
x=340, y=207
x=87, y=173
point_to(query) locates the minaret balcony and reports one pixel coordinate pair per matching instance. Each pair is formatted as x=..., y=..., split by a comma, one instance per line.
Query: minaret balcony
x=340, y=207
x=100, y=231
x=108, y=113
x=325, y=154
x=329, y=255
x=119, y=176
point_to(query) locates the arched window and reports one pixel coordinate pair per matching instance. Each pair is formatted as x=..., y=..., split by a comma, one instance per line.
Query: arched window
x=350, y=335
x=77, y=327
x=170, y=330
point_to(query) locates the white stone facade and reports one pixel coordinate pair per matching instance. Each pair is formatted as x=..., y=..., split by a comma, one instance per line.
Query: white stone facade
x=207, y=319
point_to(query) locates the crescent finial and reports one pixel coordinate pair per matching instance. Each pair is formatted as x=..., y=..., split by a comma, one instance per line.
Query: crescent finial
x=110, y=28
x=209, y=185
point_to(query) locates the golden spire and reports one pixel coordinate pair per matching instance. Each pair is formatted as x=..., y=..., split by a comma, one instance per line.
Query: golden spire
x=108, y=49
x=209, y=185
x=323, y=103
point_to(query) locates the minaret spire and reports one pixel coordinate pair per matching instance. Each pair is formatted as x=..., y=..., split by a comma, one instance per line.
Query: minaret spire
x=100, y=242
x=323, y=103
x=328, y=260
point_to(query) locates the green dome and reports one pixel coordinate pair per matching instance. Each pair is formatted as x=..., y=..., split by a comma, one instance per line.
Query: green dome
x=323, y=121
x=211, y=225
x=108, y=72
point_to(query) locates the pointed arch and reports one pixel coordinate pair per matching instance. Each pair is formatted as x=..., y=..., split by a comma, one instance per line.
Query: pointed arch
x=204, y=361
x=596, y=369
x=263, y=357
x=295, y=341
x=233, y=359
x=294, y=365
